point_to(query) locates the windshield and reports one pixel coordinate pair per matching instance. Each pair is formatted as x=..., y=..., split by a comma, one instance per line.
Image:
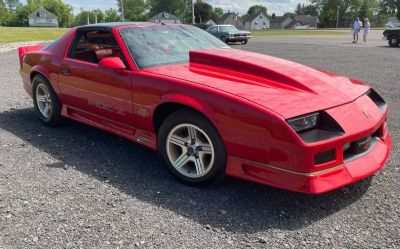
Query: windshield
x=159, y=45
x=228, y=28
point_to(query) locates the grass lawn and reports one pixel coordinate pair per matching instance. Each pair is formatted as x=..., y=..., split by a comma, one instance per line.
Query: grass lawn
x=8, y=34
x=291, y=32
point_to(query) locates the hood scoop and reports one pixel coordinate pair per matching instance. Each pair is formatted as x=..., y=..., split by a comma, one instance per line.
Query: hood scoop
x=247, y=67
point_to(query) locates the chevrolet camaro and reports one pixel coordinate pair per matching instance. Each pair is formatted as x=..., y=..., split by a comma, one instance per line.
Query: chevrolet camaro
x=209, y=110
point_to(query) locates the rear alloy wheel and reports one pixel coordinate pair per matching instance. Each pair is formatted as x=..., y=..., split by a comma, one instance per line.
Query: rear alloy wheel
x=244, y=42
x=45, y=101
x=191, y=148
x=393, y=42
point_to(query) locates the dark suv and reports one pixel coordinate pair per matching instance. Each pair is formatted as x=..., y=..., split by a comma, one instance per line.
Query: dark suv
x=393, y=37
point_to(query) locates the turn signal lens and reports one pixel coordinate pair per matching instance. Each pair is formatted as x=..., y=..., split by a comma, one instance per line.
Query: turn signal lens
x=305, y=122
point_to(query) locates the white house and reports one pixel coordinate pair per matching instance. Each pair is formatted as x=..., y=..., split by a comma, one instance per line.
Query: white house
x=257, y=22
x=165, y=17
x=210, y=22
x=42, y=18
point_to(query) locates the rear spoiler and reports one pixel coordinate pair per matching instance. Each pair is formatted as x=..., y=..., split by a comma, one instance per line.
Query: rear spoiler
x=22, y=51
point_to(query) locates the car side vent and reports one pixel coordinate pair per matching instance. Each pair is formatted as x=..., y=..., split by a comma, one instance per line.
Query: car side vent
x=377, y=99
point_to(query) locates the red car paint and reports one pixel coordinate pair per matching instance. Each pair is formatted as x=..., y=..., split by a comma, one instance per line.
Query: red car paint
x=247, y=96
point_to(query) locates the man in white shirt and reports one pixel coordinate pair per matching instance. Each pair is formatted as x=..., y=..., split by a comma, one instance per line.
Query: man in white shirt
x=356, y=29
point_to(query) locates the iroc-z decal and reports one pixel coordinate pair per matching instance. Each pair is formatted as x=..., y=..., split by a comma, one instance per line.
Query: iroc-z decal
x=106, y=107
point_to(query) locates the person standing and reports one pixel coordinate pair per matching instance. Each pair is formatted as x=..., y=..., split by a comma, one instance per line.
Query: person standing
x=356, y=29
x=367, y=28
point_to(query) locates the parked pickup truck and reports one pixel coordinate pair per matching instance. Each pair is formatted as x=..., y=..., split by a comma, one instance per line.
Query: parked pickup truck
x=392, y=36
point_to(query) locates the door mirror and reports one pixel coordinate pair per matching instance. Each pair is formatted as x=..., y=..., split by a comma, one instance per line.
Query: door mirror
x=112, y=63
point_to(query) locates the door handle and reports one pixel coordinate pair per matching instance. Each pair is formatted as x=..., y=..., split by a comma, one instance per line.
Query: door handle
x=65, y=71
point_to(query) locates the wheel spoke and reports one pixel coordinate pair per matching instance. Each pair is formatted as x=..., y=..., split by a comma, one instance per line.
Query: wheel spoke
x=41, y=99
x=192, y=133
x=181, y=161
x=46, y=110
x=206, y=149
x=177, y=140
x=199, y=166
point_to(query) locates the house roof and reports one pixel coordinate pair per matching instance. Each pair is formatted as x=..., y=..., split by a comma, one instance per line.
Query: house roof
x=42, y=10
x=164, y=16
x=253, y=16
x=226, y=16
x=280, y=19
x=292, y=24
x=305, y=20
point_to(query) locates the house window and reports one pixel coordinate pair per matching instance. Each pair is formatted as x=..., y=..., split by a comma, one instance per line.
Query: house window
x=256, y=23
x=261, y=17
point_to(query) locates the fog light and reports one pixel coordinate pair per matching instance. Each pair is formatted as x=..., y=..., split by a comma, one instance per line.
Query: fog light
x=324, y=157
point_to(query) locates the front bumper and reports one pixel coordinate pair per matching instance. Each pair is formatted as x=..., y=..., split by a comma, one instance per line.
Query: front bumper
x=238, y=38
x=359, y=119
x=314, y=182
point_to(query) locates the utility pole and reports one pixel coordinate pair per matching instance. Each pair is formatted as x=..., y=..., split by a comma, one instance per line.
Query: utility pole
x=122, y=10
x=95, y=16
x=88, y=20
x=193, y=17
x=337, y=18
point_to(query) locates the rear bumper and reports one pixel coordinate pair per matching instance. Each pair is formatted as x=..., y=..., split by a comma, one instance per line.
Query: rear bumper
x=314, y=182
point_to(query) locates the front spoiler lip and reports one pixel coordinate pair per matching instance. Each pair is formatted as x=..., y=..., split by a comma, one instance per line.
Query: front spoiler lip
x=314, y=173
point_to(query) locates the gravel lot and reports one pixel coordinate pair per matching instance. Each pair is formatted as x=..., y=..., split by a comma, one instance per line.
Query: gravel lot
x=78, y=187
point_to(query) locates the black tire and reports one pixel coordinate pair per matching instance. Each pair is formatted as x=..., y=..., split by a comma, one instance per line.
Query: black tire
x=188, y=116
x=54, y=118
x=224, y=40
x=244, y=42
x=393, y=41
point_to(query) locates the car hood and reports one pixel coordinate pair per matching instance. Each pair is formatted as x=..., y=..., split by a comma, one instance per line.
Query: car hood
x=285, y=87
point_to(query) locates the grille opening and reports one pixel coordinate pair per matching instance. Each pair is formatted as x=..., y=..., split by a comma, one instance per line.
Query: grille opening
x=377, y=99
x=359, y=148
x=324, y=157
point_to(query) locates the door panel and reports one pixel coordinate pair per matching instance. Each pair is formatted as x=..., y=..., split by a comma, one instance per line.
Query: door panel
x=103, y=92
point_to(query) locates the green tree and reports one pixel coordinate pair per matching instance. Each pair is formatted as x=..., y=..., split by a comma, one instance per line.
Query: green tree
x=390, y=7
x=81, y=18
x=12, y=5
x=179, y=8
x=257, y=9
x=112, y=15
x=203, y=11
x=134, y=10
x=217, y=13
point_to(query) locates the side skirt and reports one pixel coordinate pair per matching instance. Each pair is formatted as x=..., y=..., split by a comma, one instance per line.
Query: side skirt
x=131, y=133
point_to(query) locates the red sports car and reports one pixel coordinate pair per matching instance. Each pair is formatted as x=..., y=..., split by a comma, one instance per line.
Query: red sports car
x=210, y=110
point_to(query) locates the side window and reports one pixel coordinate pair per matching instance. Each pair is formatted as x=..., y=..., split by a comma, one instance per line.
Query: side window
x=213, y=29
x=92, y=46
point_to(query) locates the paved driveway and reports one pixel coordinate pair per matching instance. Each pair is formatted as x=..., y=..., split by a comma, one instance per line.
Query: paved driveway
x=78, y=187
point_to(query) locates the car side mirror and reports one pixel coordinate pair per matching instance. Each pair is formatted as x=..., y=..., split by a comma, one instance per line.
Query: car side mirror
x=112, y=63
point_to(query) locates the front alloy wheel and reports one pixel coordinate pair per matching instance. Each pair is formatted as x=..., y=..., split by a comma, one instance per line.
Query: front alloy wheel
x=192, y=149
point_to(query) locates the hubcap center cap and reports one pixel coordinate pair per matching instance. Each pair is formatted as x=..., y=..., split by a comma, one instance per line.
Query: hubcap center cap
x=192, y=149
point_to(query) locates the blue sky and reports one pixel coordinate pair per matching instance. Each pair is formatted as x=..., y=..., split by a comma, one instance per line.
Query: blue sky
x=241, y=6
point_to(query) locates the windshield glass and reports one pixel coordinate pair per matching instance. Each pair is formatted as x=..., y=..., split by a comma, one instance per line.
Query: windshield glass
x=159, y=45
x=228, y=28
